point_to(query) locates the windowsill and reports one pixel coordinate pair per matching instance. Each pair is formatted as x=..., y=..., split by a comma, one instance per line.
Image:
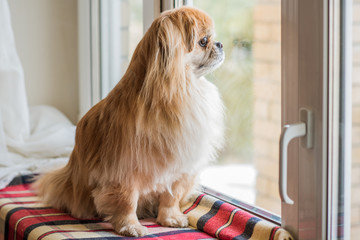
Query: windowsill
x=257, y=211
x=233, y=182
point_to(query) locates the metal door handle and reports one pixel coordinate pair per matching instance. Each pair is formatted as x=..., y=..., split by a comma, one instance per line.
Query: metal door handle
x=289, y=132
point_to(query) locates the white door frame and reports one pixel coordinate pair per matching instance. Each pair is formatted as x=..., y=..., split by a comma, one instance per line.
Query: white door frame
x=316, y=74
x=89, y=54
x=304, y=73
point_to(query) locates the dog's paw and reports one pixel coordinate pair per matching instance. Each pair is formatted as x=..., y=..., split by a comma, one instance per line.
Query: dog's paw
x=283, y=235
x=178, y=220
x=134, y=230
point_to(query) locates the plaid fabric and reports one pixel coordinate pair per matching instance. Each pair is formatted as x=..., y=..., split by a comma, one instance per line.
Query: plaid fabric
x=22, y=216
x=225, y=221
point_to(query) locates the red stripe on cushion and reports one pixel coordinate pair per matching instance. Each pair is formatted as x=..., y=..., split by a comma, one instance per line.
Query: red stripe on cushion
x=16, y=195
x=19, y=213
x=22, y=187
x=179, y=236
x=273, y=231
x=221, y=218
x=152, y=226
x=196, y=203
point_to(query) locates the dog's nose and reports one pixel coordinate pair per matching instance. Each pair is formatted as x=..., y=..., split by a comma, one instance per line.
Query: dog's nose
x=219, y=44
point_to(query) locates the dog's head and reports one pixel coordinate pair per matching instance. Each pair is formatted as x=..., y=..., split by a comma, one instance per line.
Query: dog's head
x=180, y=43
x=204, y=54
x=189, y=33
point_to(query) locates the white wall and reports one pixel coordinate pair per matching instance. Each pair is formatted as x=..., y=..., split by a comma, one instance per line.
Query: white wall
x=46, y=38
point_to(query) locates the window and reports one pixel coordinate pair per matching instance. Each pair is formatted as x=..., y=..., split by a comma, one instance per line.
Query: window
x=121, y=28
x=250, y=84
x=355, y=100
x=281, y=56
x=108, y=34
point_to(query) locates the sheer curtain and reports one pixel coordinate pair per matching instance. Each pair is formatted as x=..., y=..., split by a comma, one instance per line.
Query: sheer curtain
x=32, y=139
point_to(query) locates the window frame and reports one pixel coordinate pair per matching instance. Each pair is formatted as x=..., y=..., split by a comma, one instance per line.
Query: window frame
x=89, y=54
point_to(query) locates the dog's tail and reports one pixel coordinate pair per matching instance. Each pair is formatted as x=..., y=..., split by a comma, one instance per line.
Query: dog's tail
x=58, y=189
x=55, y=188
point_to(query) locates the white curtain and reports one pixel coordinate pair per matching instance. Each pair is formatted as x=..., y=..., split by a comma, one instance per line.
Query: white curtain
x=32, y=139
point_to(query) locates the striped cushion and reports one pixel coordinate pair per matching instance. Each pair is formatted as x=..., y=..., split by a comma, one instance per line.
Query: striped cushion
x=225, y=221
x=22, y=216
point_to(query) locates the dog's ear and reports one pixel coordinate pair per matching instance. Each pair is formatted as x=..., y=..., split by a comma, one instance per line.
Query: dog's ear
x=187, y=27
x=168, y=39
x=176, y=35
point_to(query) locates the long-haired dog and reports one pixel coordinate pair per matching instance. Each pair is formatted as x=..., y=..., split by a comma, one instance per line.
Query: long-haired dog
x=138, y=150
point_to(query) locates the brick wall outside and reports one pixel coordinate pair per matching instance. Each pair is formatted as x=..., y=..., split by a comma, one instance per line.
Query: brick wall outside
x=267, y=105
x=355, y=188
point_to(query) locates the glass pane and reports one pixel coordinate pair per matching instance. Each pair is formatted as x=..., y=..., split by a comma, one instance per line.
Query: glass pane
x=355, y=184
x=121, y=30
x=250, y=84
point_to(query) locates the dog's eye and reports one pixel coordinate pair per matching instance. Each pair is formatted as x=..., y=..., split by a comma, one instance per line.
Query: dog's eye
x=203, y=42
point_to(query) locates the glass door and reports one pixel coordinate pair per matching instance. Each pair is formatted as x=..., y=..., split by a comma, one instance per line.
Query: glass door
x=250, y=84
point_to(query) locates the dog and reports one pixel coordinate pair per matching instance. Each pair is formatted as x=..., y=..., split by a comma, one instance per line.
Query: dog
x=137, y=151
